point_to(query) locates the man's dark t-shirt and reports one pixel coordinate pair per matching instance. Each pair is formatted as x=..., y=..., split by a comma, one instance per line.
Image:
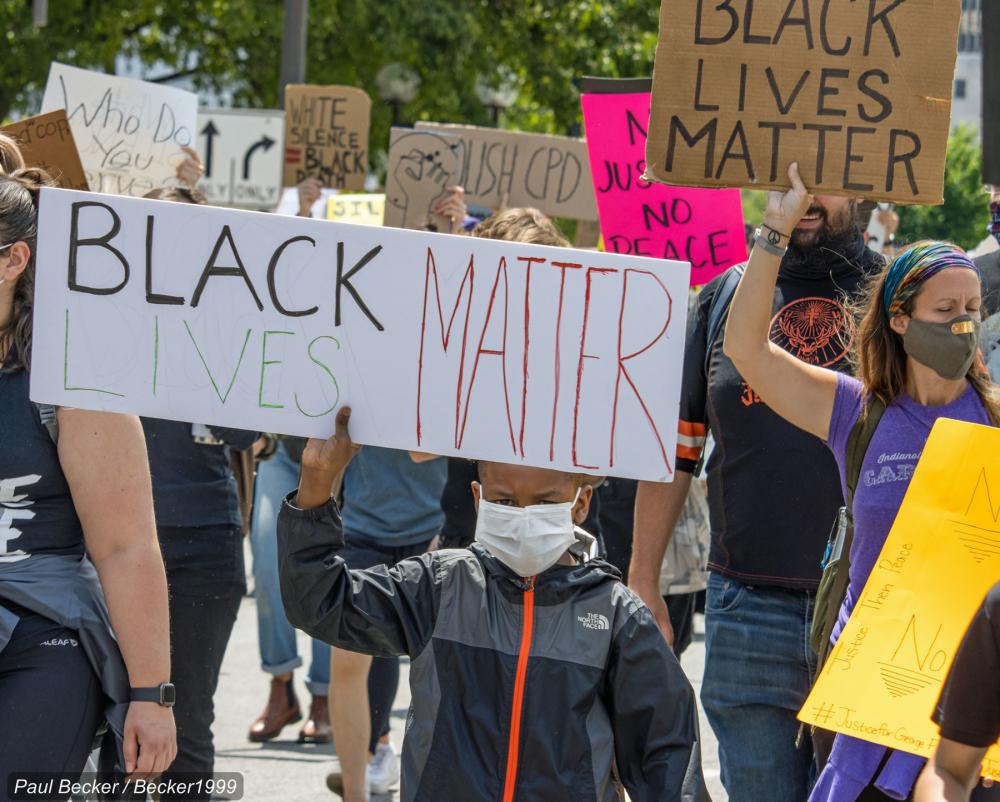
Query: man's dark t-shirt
x=968, y=711
x=193, y=484
x=774, y=490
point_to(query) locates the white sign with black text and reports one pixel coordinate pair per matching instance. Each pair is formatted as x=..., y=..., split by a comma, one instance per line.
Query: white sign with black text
x=129, y=133
x=451, y=345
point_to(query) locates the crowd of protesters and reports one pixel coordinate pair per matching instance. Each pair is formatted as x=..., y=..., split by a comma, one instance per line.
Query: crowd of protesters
x=122, y=569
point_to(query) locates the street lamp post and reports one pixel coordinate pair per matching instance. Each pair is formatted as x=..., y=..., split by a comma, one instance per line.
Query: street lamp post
x=293, y=46
x=39, y=13
x=498, y=93
x=397, y=86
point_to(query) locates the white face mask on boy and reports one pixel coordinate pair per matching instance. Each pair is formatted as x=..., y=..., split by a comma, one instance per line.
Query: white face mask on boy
x=528, y=540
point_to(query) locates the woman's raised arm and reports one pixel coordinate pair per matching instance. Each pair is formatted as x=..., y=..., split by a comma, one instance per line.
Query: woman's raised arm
x=802, y=394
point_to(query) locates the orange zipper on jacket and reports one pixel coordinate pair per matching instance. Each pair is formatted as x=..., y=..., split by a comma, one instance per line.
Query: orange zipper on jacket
x=517, y=708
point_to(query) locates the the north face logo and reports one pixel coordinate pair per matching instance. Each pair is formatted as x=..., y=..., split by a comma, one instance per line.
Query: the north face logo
x=594, y=621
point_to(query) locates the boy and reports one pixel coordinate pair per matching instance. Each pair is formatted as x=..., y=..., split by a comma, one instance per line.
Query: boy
x=534, y=669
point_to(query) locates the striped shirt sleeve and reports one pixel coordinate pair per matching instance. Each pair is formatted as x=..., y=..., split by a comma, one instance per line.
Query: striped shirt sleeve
x=693, y=428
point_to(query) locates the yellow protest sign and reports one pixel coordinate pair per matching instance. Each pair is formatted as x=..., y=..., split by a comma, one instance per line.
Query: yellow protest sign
x=365, y=210
x=883, y=678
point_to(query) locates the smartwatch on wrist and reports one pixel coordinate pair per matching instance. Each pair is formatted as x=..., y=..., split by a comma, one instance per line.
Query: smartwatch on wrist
x=164, y=694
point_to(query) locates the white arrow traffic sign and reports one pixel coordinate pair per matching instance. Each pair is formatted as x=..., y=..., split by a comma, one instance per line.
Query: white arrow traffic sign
x=242, y=151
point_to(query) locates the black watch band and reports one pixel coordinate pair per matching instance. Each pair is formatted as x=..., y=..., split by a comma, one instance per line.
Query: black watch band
x=164, y=694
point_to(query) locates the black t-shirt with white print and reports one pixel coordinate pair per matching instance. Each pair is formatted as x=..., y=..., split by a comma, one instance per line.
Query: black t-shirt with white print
x=36, y=510
x=774, y=489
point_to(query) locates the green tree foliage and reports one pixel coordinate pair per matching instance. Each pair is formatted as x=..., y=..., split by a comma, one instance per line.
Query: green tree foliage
x=754, y=205
x=235, y=45
x=963, y=216
x=221, y=45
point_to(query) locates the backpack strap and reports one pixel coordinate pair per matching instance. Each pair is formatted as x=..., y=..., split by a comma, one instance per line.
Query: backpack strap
x=718, y=311
x=857, y=446
x=47, y=417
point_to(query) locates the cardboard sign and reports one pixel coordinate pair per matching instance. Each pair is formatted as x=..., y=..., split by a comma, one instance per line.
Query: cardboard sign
x=129, y=133
x=242, y=153
x=422, y=165
x=859, y=94
x=445, y=344
x=884, y=676
x=46, y=141
x=550, y=173
x=326, y=135
x=700, y=226
x=362, y=210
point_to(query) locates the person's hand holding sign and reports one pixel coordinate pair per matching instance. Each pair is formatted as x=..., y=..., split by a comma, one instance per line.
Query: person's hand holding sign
x=801, y=393
x=452, y=206
x=785, y=210
x=323, y=462
x=310, y=191
x=190, y=171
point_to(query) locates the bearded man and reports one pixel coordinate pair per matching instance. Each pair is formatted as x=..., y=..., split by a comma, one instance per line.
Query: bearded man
x=774, y=493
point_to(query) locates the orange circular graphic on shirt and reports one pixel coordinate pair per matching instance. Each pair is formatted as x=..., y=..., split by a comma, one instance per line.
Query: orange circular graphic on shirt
x=816, y=330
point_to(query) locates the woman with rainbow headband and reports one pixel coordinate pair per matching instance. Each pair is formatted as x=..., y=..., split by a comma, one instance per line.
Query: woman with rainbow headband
x=917, y=350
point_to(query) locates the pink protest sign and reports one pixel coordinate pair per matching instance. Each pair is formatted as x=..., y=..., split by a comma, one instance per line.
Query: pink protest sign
x=700, y=226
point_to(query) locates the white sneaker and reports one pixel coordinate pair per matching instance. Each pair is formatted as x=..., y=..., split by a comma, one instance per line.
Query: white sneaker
x=383, y=771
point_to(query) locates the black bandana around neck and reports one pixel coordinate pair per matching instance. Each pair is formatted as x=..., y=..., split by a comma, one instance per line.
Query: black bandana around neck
x=832, y=259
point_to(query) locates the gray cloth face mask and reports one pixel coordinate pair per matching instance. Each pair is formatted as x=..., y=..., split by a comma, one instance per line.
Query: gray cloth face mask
x=949, y=349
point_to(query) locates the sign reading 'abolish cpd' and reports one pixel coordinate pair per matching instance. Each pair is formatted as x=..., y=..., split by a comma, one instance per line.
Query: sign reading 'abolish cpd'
x=858, y=93
x=451, y=345
x=514, y=168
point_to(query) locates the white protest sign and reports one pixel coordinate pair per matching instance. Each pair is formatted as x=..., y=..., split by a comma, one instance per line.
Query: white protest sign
x=444, y=344
x=289, y=203
x=243, y=156
x=129, y=133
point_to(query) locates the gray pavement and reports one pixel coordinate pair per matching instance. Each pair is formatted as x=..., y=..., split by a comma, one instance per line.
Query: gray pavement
x=283, y=770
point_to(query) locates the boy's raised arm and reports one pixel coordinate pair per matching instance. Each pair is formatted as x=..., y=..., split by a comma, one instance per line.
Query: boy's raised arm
x=379, y=611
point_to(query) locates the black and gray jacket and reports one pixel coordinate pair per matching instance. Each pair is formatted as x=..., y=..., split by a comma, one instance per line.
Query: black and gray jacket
x=523, y=691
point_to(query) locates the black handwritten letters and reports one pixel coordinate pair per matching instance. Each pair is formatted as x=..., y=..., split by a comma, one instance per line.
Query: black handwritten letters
x=129, y=132
x=224, y=260
x=700, y=226
x=456, y=345
x=858, y=93
x=550, y=173
x=326, y=135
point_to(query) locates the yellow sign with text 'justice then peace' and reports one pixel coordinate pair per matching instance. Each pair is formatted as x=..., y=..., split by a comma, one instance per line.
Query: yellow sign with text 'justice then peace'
x=882, y=679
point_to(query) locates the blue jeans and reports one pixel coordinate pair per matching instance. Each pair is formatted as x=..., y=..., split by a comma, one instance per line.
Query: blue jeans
x=279, y=652
x=758, y=671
